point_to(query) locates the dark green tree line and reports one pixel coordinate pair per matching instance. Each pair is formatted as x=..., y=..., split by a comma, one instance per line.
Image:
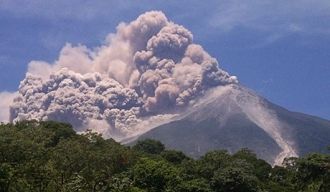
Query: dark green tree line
x=50, y=156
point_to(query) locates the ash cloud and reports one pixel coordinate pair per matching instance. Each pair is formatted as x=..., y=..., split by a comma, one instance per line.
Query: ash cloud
x=6, y=99
x=149, y=68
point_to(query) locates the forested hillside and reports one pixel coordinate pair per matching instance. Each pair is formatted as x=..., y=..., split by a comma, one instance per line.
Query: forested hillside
x=50, y=156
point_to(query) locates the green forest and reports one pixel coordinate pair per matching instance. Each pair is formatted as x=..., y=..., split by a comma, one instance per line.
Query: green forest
x=50, y=156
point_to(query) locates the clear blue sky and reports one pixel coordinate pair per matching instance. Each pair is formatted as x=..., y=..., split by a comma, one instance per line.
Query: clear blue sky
x=280, y=48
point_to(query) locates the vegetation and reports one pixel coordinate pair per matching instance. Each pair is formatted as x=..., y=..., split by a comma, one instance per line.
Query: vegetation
x=50, y=156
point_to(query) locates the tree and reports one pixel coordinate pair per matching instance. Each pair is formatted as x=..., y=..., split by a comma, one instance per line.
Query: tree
x=155, y=176
x=175, y=157
x=149, y=146
x=259, y=167
x=195, y=185
x=50, y=156
x=212, y=161
x=313, y=173
x=234, y=179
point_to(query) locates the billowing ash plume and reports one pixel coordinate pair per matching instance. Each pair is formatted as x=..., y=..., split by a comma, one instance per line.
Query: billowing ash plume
x=6, y=99
x=149, y=66
x=75, y=98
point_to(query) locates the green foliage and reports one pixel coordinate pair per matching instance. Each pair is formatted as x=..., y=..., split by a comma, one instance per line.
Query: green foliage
x=154, y=175
x=213, y=161
x=195, y=185
x=314, y=173
x=234, y=179
x=175, y=157
x=149, y=146
x=50, y=156
x=260, y=168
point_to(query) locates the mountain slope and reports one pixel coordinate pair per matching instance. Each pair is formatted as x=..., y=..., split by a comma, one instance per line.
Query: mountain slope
x=233, y=117
x=311, y=134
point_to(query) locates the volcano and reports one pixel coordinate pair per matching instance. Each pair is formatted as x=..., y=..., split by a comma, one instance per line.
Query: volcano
x=151, y=80
x=234, y=117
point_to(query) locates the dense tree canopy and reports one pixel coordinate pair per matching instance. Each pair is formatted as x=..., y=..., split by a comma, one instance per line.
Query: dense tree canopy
x=50, y=156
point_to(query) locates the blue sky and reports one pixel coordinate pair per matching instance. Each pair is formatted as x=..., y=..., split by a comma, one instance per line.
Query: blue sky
x=278, y=48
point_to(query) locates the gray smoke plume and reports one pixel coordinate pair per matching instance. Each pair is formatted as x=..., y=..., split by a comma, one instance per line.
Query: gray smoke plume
x=6, y=98
x=148, y=68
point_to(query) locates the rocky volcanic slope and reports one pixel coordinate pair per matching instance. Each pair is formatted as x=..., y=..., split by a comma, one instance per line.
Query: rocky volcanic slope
x=233, y=117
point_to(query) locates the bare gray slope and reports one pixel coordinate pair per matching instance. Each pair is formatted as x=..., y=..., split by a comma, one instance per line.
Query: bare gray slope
x=233, y=117
x=310, y=133
x=196, y=138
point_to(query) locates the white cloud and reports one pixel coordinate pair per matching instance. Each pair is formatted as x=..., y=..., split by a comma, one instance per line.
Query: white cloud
x=272, y=16
x=269, y=16
x=6, y=98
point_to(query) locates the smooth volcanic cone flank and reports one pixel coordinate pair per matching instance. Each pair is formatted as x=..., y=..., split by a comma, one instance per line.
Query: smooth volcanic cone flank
x=233, y=117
